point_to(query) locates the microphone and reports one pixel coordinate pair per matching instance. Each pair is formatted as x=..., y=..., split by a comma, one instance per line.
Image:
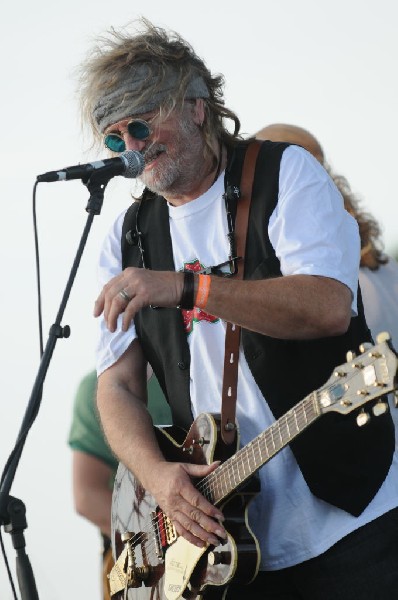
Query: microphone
x=129, y=164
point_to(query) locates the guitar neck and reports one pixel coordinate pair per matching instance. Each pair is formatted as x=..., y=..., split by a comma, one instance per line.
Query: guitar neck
x=242, y=465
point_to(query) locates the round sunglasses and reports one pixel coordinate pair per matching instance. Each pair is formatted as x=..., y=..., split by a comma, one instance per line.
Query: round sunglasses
x=137, y=128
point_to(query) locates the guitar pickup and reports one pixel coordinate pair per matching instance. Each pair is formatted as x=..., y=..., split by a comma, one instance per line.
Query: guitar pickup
x=166, y=530
x=157, y=538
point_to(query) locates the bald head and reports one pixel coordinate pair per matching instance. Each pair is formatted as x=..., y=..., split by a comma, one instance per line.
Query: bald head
x=281, y=132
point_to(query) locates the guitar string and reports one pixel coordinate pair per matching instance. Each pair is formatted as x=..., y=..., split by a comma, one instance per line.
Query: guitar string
x=283, y=425
x=267, y=444
x=257, y=446
x=208, y=485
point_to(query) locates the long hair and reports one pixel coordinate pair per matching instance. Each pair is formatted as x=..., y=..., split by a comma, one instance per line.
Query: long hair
x=372, y=254
x=116, y=54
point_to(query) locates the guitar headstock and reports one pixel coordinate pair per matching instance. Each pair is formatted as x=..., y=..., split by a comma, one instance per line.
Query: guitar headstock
x=362, y=379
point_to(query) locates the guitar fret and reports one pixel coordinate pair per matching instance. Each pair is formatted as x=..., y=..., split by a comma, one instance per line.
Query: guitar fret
x=309, y=413
x=295, y=420
x=279, y=426
x=216, y=487
x=247, y=466
x=284, y=429
x=254, y=443
x=247, y=455
x=263, y=453
x=272, y=437
x=246, y=461
x=236, y=473
x=225, y=481
x=288, y=429
x=303, y=414
x=242, y=472
x=233, y=473
x=261, y=448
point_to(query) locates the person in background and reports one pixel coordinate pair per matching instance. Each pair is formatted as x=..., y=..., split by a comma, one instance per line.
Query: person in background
x=328, y=500
x=378, y=275
x=94, y=465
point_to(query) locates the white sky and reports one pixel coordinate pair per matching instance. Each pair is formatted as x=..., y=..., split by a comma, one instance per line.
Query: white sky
x=326, y=66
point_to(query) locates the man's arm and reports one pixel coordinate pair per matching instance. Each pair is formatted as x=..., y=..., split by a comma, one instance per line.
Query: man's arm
x=295, y=306
x=121, y=399
x=291, y=307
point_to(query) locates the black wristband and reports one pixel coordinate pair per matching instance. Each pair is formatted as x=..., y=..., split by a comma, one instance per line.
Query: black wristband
x=186, y=301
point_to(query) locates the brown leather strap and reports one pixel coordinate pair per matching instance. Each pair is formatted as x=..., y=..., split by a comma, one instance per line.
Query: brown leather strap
x=232, y=335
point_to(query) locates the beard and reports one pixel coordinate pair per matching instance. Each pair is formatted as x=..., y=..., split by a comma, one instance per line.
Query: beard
x=178, y=164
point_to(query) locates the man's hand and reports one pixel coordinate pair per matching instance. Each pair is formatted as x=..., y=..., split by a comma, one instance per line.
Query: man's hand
x=191, y=514
x=140, y=287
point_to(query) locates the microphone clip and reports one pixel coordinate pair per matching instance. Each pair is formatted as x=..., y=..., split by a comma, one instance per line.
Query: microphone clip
x=96, y=183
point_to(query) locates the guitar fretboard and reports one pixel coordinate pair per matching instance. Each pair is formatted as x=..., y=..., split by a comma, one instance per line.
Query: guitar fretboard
x=242, y=465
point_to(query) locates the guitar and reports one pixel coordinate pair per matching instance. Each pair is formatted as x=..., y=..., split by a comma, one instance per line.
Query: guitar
x=153, y=562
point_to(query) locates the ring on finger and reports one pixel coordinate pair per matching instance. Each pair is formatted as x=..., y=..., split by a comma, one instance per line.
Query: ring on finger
x=123, y=294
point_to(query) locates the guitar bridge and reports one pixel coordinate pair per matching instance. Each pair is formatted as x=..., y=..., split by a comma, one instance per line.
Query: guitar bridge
x=125, y=574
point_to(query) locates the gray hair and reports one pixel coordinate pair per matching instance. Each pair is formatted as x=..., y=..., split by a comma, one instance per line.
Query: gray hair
x=128, y=74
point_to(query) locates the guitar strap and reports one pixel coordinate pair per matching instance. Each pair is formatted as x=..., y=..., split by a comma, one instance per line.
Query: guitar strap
x=232, y=335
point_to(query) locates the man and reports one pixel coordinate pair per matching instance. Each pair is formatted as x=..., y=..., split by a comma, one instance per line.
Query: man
x=297, y=307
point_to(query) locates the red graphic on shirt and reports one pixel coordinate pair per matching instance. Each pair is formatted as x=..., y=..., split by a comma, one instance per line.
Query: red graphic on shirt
x=196, y=314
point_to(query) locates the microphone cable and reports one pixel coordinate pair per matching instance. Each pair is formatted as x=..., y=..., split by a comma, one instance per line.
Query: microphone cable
x=24, y=433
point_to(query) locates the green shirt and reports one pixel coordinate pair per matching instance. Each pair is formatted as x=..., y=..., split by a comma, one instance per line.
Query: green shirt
x=86, y=433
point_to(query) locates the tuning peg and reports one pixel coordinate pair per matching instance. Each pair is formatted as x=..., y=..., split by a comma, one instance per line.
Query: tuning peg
x=358, y=365
x=383, y=336
x=362, y=419
x=380, y=408
x=340, y=373
x=365, y=346
x=362, y=393
x=350, y=355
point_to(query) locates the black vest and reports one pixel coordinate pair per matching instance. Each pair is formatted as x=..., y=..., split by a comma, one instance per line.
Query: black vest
x=341, y=463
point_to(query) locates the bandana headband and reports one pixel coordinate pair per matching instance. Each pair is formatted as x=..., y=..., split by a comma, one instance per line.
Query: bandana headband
x=123, y=102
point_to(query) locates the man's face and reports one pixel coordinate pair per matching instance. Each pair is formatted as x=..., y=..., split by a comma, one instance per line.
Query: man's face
x=172, y=150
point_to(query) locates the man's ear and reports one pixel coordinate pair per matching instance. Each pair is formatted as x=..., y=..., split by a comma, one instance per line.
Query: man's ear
x=199, y=111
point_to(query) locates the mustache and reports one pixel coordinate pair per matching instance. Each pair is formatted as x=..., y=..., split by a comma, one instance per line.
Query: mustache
x=153, y=151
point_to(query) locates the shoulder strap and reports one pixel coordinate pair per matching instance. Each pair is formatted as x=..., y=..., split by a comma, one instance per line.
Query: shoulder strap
x=232, y=335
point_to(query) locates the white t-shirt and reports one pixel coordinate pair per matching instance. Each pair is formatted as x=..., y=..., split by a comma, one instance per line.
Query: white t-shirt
x=311, y=234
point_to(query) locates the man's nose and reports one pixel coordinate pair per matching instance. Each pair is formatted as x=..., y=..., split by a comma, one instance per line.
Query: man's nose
x=132, y=143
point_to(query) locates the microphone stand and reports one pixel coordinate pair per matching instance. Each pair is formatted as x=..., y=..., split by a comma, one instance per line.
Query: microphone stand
x=12, y=510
